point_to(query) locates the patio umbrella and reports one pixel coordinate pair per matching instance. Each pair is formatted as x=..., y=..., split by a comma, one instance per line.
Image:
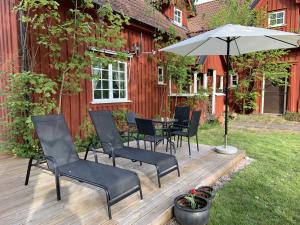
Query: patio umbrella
x=231, y=40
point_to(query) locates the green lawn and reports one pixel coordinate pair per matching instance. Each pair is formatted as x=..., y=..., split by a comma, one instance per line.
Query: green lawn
x=267, y=191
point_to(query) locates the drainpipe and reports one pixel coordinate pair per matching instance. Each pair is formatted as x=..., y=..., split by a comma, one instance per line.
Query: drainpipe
x=22, y=43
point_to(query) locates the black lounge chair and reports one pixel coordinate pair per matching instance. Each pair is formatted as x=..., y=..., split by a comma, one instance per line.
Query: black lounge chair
x=130, y=118
x=62, y=159
x=113, y=146
x=190, y=130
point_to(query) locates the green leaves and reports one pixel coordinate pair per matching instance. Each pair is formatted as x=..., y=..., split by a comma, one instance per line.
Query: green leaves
x=191, y=199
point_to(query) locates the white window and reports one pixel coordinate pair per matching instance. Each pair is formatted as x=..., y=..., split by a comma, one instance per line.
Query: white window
x=177, y=16
x=221, y=83
x=160, y=74
x=234, y=80
x=276, y=19
x=110, y=84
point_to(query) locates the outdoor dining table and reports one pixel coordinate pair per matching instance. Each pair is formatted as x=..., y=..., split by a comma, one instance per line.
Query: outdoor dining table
x=166, y=123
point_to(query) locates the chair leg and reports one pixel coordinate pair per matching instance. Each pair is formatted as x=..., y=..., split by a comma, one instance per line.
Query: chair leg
x=177, y=141
x=128, y=136
x=86, y=153
x=145, y=145
x=180, y=141
x=151, y=146
x=158, y=179
x=154, y=146
x=189, y=146
x=57, y=186
x=197, y=142
x=167, y=144
x=28, y=171
x=108, y=204
x=114, y=162
x=141, y=192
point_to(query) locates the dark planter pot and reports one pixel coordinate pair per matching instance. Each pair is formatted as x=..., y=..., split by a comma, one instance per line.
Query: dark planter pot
x=207, y=189
x=188, y=216
x=205, y=195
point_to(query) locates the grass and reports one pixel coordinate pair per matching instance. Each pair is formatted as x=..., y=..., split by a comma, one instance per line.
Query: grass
x=267, y=191
x=261, y=118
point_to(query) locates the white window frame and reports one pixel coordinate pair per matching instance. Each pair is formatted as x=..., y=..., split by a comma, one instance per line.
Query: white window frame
x=276, y=14
x=179, y=23
x=221, y=83
x=110, y=83
x=160, y=68
x=231, y=80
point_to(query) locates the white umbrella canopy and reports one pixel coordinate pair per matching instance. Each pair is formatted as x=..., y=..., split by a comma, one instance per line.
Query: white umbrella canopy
x=242, y=39
x=233, y=40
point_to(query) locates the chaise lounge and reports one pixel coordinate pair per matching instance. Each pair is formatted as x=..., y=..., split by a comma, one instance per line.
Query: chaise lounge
x=113, y=146
x=63, y=160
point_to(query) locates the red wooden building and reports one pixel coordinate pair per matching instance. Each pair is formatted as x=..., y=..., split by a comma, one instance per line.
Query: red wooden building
x=142, y=88
x=282, y=15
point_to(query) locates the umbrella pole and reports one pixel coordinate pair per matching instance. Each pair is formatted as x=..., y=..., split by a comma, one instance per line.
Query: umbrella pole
x=225, y=149
x=227, y=92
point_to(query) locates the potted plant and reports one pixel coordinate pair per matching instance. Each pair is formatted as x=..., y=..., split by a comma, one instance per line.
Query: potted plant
x=204, y=194
x=191, y=209
x=208, y=189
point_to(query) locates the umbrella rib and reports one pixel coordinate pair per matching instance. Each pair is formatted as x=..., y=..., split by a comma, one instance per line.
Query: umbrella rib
x=281, y=41
x=197, y=46
x=237, y=46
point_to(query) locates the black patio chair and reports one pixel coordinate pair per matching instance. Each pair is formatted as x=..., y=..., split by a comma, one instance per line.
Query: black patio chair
x=182, y=115
x=62, y=159
x=130, y=118
x=189, y=131
x=113, y=146
x=146, y=128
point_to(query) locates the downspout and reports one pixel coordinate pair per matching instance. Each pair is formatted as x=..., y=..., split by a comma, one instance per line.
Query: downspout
x=22, y=43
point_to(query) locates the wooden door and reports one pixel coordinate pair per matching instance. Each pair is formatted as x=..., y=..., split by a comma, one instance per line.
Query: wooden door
x=274, y=98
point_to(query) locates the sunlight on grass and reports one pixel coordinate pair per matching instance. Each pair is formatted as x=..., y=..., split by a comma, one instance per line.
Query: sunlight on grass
x=267, y=191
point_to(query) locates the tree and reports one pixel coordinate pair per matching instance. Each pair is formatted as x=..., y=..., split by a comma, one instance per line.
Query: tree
x=252, y=67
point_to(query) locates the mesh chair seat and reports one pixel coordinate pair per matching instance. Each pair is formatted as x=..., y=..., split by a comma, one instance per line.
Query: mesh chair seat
x=154, y=138
x=163, y=162
x=115, y=180
x=180, y=133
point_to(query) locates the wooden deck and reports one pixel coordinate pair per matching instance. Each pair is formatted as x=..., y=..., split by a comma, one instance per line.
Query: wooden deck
x=84, y=204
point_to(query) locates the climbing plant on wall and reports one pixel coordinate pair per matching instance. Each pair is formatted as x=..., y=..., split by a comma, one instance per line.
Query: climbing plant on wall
x=253, y=67
x=78, y=27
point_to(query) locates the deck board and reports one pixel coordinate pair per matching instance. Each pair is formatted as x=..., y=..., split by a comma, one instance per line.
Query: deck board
x=85, y=204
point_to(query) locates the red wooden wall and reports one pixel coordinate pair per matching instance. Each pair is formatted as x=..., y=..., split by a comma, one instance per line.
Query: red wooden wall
x=145, y=96
x=8, y=49
x=291, y=8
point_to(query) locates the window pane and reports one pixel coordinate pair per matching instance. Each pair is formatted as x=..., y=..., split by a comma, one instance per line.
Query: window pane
x=122, y=94
x=115, y=76
x=280, y=21
x=105, y=84
x=97, y=94
x=105, y=94
x=121, y=66
x=122, y=85
x=97, y=84
x=115, y=94
x=116, y=85
x=104, y=74
x=122, y=76
x=280, y=15
x=272, y=16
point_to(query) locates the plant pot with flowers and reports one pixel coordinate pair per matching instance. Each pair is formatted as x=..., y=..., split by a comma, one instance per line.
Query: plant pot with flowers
x=191, y=209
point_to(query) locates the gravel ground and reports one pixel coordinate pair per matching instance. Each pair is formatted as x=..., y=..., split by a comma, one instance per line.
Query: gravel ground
x=224, y=179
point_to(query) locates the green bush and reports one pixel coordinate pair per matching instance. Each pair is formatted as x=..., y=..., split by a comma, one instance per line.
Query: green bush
x=26, y=94
x=292, y=116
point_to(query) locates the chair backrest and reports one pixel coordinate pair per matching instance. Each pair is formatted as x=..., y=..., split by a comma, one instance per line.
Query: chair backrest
x=130, y=117
x=106, y=130
x=194, y=123
x=182, y=114
x=145, y=126
x=55, y=138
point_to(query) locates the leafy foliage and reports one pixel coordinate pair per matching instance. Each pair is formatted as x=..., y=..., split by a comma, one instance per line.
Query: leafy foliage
x=292, y=116
x=253, y=67
x=26, y=94
x=120, y=119
x=83, y=28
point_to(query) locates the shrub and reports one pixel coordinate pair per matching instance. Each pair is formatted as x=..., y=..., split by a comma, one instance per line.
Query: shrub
x=292, y=116
x=26, y=94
